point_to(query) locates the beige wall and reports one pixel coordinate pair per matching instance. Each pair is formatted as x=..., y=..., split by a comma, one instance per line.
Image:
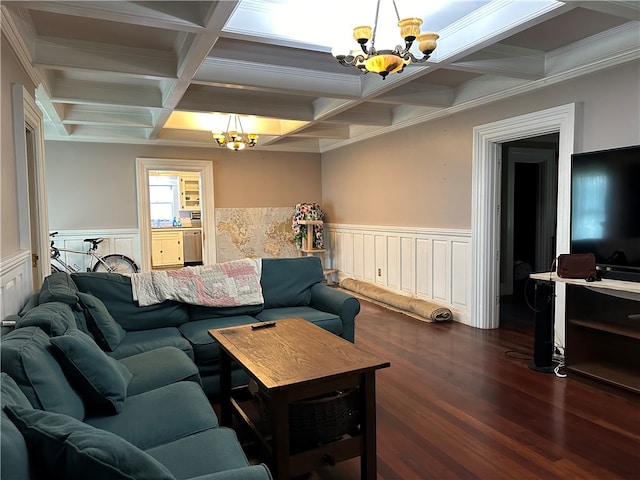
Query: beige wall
x=93, y=185
x=11, y=73
x=421, y=176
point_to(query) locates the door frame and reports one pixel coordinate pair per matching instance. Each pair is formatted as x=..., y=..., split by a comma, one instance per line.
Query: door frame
x=33, y=215
x=485, y=214
x=205, y=169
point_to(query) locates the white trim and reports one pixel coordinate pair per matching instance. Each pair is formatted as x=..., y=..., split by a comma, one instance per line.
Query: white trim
x=485, y=225
x=15, y=283
x=428, y=263
x=33, y=217
x=205, y=168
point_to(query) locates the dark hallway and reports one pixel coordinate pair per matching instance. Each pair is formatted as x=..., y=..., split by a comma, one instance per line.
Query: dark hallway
x=528, y=216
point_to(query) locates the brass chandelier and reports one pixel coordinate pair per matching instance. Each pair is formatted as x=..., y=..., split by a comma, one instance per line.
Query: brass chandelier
x=234, y=140
x=384, y=62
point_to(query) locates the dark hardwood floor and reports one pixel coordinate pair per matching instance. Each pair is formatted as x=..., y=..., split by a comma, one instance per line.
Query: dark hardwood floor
x=461, y=403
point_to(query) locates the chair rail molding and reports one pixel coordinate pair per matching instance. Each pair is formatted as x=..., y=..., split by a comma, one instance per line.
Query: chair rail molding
x=427, y=263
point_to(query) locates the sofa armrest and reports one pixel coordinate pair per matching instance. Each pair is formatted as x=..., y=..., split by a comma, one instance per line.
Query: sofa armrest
x=339, y=303
x=253, y=472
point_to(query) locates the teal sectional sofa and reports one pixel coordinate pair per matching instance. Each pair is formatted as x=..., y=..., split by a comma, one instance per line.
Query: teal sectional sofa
x=104, y=308
x=86, y=364
x=69, y=411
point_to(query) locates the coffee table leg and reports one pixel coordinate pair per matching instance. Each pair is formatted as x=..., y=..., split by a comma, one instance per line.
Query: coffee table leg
x=279, y=408
x=226, y=416
x=368, y=459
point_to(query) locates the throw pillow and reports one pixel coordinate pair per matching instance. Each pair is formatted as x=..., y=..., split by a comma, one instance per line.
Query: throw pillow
x=26, y=354
x=107, y=332
x=54, y=318
x=58, y=287
x=101, y=380
x=69, y=449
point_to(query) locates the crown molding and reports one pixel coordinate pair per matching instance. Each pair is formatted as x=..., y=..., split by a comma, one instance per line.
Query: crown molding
x=11, y=31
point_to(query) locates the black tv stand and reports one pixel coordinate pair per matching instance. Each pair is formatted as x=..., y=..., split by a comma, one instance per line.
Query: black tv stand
x=602, y=329
x=543, y=327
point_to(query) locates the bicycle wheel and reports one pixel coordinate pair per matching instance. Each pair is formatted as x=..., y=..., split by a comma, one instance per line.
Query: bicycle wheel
x=55, y=269
x=116, y=264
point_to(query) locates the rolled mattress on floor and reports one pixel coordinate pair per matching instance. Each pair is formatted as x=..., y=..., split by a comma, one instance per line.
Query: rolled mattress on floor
x=423, y=309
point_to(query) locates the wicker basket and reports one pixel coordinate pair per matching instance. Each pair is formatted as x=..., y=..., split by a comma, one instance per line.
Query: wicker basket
x=321, y=419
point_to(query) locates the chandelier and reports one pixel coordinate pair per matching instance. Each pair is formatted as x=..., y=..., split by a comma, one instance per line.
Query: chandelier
x=234, y=140
x=384, y=62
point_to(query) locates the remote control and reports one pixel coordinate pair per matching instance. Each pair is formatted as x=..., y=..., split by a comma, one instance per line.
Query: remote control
x=263, y=325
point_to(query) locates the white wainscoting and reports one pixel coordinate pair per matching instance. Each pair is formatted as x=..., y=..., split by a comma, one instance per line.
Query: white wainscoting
x=16, y=284
x=427, y=263
x=126, y=242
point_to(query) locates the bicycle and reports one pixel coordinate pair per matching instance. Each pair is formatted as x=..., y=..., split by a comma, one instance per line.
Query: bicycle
x=112, y=263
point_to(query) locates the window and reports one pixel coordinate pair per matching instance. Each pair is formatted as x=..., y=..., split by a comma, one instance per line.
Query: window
x=164, y=195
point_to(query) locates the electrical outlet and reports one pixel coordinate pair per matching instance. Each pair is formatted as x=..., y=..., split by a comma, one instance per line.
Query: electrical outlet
x=379, y=272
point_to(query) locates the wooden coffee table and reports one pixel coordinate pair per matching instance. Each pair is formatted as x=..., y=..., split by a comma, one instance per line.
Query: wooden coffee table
x=295, y=360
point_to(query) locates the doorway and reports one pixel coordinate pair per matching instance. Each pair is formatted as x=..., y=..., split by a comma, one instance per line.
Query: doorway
x=485, y=213
x=201, y=168
x=176, y=225
x=528, y=204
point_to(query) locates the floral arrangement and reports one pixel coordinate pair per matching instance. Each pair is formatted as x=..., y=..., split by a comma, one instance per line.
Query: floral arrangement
x=307, y=211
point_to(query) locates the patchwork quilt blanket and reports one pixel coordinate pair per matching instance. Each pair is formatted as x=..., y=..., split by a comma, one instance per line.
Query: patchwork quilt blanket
x=228, y=284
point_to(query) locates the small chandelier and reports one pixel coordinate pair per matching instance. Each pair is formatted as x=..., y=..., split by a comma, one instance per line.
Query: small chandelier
x=384, y=62
x=234, y=140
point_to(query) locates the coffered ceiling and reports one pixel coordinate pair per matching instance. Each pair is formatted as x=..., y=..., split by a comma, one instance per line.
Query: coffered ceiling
x=162, y=72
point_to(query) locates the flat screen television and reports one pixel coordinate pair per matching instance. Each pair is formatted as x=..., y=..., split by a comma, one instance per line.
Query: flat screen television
x=605, y=210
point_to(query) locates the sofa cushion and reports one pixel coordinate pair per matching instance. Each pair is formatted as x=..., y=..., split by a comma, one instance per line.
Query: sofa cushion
x=200, y=312
x=328, y=321
x=286, y=281
x=14, y=456
x=159, y=367
x=147, y=340
x=115, y=292
x=26, y=355
x=74, y=450
x=213, y=450
x=101, y=380
x=205, y=349
x=162, y=415
x=54, y=318
x=58, y=287
x=106, y=331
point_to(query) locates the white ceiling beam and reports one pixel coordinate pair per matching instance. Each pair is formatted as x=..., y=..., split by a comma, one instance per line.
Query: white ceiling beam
x=323, y=130
x=277, y=78
x=54, y=112
x=192, y=50
x=236, y=101
x=418, y=94
x=108, y=116
x=185, y=16
x=505, y=60
x=74, y=54
x=490, y=24
x=98, y=93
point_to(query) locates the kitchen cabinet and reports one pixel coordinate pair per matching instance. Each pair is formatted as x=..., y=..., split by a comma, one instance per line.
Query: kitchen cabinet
x=189, y=191
x=167, y=248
